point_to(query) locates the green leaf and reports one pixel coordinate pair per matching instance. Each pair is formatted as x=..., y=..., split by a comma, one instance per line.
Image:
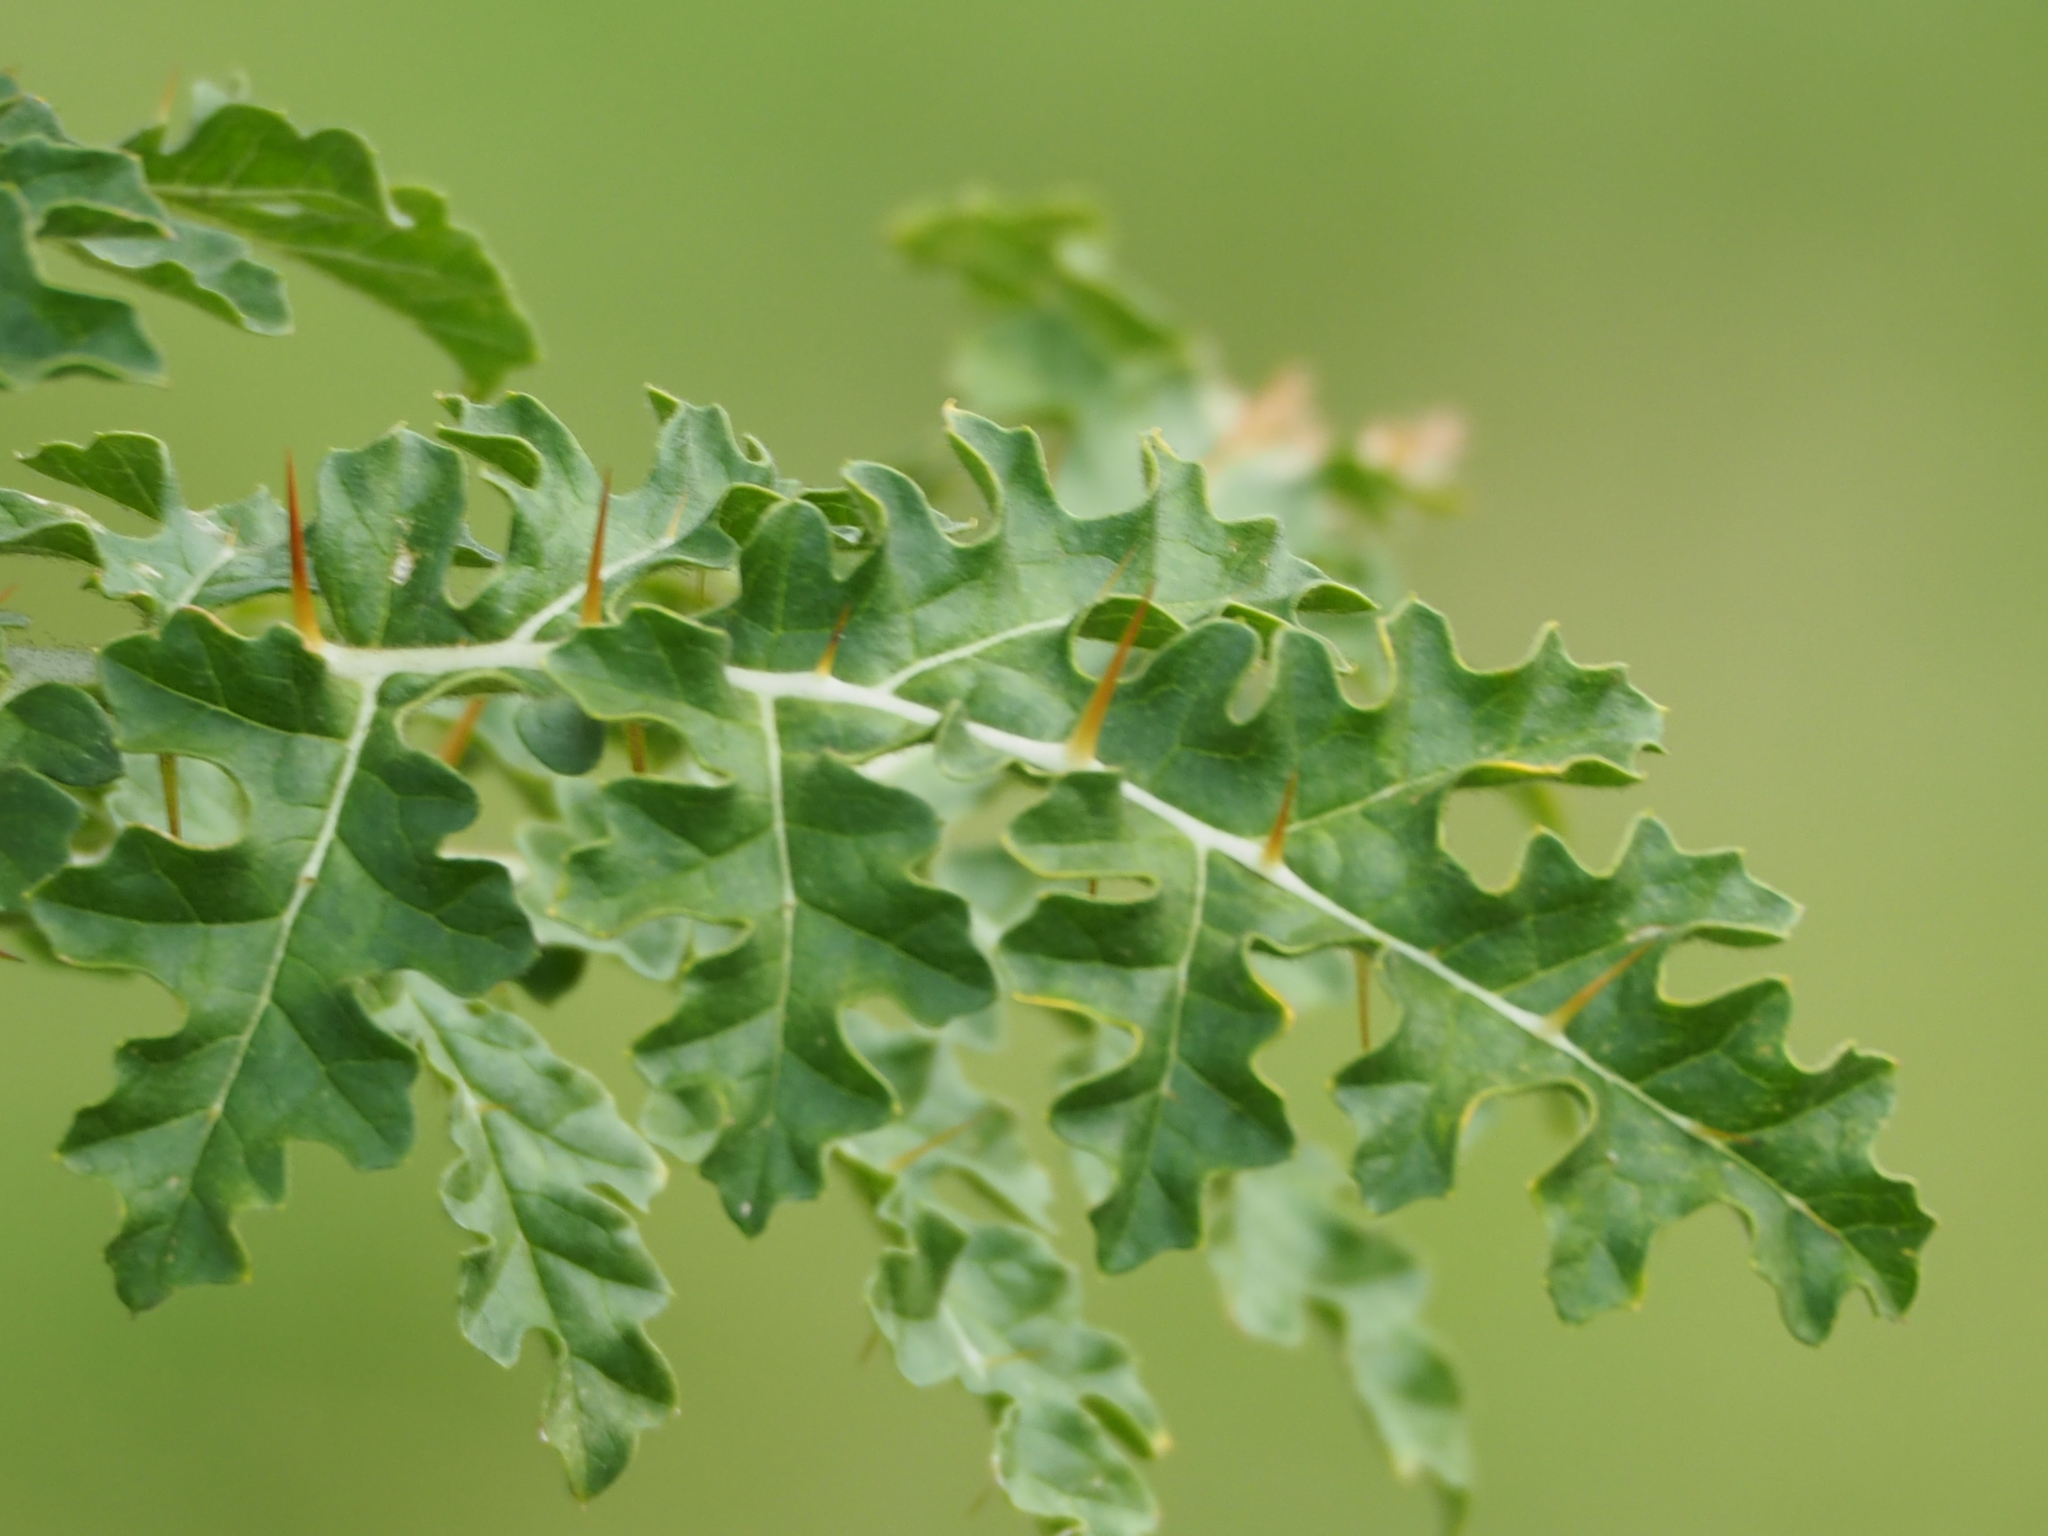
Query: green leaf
x=206, y=559
x=389, y=522
x=51, y=734
x=937, y=620
x=321, y=199
x=208, y=268
x=946, y=1128
x=1171, y=968
x=47, y=332
x=1555, y=982
x=546, y=1173
x=813, y=863
x=655, y=949
x=74, y=192
x=555, y=493
x=990, y=1304
x=1287, y=1251
x=1061, y=340
x=338, y=880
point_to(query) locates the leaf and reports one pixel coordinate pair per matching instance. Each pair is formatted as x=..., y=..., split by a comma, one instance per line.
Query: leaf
x=810, y=861
x=1062, y=340
x=1287, y=1251
x=1170, y=968
x=945, y=1127
x=389, y=523
x=1556, y=983
x=47, y=332
x=207, y=268
x=321, y=199
x=208, y=559
x=51, y=734
x=72, y=192
x=546, y=1170
x=555, y=493
x=655, y=949
x=990, y=1304
x=337, y=881
x=936, y=620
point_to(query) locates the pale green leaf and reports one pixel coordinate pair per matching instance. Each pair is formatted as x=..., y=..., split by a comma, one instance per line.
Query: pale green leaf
x=208, y=268
x=47, y=332
x=990, y=1304
x=547, y=1179
x=556, y=492
x=207, y=559
x=1289, y=1249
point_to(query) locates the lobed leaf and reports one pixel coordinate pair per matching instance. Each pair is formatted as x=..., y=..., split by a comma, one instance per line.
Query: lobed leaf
x=338, y=880
x=51, y=735
x=194, y=558
x=991, y=1305
x=1554, y=982
x=556, y=493
x=321, y=199
x=1288, y=1251
x=811, y=862
x=547, y=1177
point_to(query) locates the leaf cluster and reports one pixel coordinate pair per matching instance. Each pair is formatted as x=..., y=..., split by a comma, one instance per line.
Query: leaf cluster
x=867, y=788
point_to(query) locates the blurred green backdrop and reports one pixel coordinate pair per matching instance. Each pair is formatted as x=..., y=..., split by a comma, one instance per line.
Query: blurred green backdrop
x=1747, y=303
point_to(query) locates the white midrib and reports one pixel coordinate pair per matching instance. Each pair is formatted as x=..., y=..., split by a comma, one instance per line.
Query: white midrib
x=302, y=892
x=1177, y=1003
x=1051, y=757
x=434, y=1046
x=779, y=829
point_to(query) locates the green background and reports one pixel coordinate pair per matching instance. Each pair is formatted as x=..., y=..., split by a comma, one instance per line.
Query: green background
x=1746, y=301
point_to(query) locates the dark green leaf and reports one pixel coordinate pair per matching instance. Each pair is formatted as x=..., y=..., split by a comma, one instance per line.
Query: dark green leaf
x=321, y=199
x=811, y=861
x=338, y=880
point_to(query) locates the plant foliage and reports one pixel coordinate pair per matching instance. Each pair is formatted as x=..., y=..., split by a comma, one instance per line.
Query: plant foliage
x=863, y=785
x=185, y=215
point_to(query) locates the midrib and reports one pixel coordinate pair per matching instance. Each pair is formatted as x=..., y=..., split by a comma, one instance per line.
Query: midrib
x=1051, y=758
x=302, y=890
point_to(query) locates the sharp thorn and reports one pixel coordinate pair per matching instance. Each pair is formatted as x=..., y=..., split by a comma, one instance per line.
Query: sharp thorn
x=304, y=617
x=593, y=585
x=167, y=765
x=1088, y=732
x=1560, y=1020
x=169, y=99
x=1361, y=962
x=825, y=662
x=456, y=743
x=1117, y=575
x=932, y=1144
x=1276, y=840
x=636, y=745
